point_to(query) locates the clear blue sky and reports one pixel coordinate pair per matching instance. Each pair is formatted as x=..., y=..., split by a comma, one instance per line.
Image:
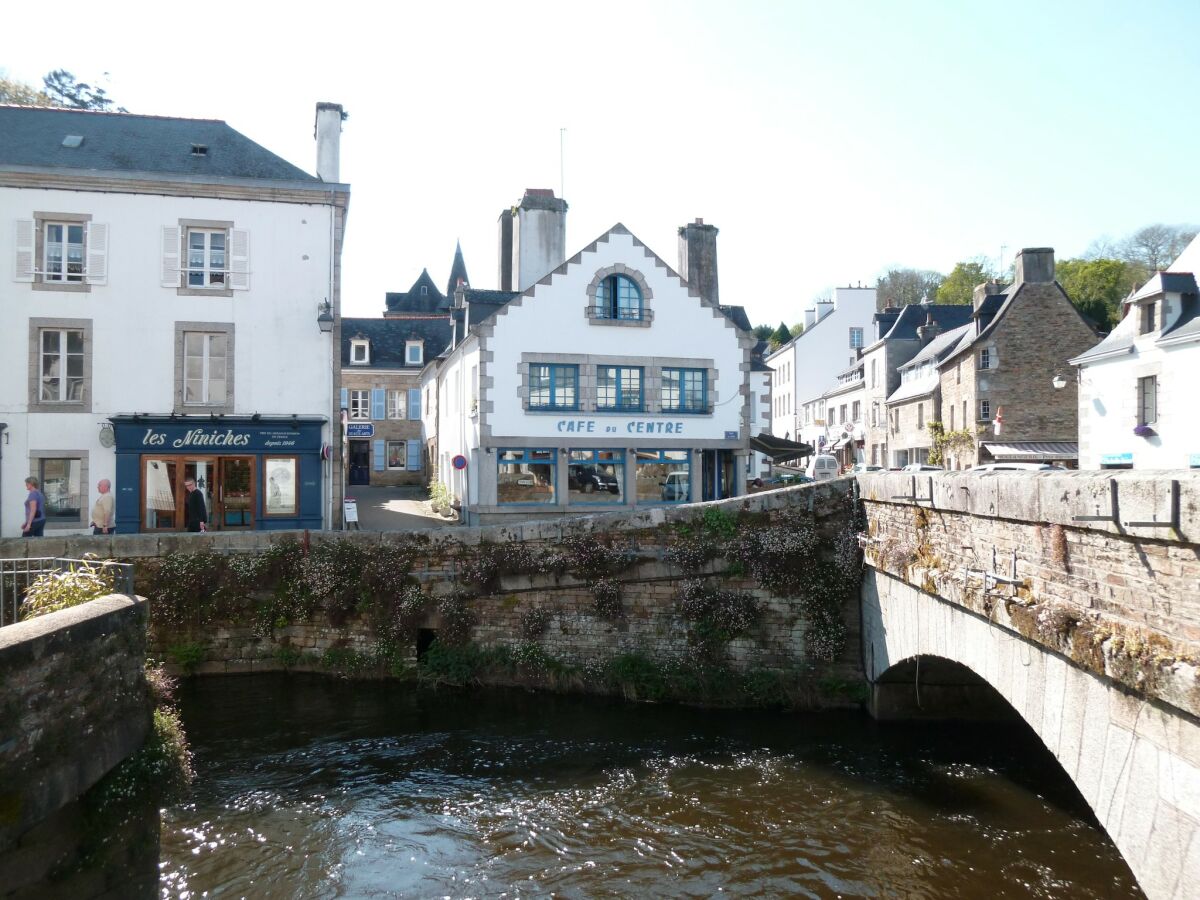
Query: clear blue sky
x=826, y=141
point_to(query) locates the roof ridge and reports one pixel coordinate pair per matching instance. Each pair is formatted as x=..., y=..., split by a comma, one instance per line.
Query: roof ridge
x=108, y=112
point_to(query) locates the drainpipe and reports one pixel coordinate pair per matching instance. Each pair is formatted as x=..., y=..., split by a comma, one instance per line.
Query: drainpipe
x=3, y=441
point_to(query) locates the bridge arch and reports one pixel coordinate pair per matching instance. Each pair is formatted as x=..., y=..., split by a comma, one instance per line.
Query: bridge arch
x=1136, y=763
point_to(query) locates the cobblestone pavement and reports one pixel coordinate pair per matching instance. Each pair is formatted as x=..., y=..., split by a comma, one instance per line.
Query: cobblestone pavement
x=395, y=509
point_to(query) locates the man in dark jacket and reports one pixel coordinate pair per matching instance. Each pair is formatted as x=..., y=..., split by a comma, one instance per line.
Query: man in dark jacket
x=195, y=513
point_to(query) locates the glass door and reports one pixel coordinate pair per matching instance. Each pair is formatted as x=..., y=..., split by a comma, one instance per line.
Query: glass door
x=235, y=492
x=204, y=470
x=161, y=506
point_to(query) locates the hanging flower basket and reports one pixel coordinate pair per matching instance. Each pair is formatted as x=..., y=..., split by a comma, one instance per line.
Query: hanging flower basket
x=1144, y=431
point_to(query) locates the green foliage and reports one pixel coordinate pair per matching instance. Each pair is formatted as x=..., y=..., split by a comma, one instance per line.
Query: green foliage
x=63, y=90
x=348, y=662
x=959, y=286
x=287, y=656
x=454, y=665
x=18, y=93
x=457, y=619
x=780, y=335
x=606, y=599
x=717, y=616
x=534, y=622
x=763, y=332
x=946, y=443
x=71, y=587
x=440, y=497
x=637, y=676
x=187, y=656
x=900, y=287
x=1097, y=287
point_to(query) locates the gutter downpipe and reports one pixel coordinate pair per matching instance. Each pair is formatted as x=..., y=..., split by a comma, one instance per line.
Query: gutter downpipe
x=3, y=425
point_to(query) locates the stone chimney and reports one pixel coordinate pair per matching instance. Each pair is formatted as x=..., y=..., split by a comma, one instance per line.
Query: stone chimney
x=1035, y=265
x=328, y=131
x=698, y=258
x=928, y=331
x=985, y=290
x=533, y=239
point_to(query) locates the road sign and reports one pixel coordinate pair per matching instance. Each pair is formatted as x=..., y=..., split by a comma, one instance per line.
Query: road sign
x=459, y=462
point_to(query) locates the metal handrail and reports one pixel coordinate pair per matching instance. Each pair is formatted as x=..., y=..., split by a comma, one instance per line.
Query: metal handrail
x=16, y=575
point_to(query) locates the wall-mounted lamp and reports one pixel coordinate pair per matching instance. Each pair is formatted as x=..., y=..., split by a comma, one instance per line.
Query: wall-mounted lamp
x=1059, y=382
x=325, y=317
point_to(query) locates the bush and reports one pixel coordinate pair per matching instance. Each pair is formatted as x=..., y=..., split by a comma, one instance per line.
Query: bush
x=60, y=590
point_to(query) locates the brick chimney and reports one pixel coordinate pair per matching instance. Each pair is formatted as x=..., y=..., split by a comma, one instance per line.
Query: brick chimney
x=533, y=239
x=1035, y=265
x=698, y=258
x=928, y=331
x=327, y=129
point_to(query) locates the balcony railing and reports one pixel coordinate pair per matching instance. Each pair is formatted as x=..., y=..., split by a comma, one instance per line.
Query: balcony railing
x=606, y=313
x=16, y=575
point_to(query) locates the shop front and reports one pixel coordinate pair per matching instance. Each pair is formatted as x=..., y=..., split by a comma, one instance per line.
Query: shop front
x=255, y=472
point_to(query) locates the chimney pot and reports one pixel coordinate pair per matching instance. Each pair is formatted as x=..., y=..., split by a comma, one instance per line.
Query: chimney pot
x=698, y=259
x=985, y=290
x=1035, y=264
x=327, y=129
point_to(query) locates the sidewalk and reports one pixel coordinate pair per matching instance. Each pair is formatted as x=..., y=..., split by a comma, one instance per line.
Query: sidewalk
x=395, y=509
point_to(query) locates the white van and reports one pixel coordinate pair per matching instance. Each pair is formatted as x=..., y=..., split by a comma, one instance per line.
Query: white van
x=823, y=467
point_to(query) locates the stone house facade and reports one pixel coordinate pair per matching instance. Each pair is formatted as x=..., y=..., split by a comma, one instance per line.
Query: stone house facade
x=1009, y=376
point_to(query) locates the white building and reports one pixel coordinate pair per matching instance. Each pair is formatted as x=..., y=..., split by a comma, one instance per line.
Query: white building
x=1137, y=387
x=170, y=291
x=808, y=364
x=610, y=382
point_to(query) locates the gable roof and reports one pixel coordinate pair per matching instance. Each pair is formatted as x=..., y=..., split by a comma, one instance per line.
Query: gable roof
x=458, y=271
x=389, y=337
x=912, y=316
x=414, y=300
x=126, y=143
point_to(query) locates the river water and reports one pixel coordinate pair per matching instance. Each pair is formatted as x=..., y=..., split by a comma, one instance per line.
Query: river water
x=312, y=787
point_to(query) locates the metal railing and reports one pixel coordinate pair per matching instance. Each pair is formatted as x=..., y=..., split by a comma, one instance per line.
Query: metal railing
x=16, y=575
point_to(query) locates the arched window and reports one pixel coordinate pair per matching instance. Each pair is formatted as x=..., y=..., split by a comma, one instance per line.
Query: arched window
x=618, y=297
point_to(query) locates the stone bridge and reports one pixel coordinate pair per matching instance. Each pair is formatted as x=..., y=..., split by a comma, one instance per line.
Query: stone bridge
x=1072, y=599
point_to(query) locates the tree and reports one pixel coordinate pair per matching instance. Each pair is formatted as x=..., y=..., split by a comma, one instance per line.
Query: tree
x=797, y=329
x=763, y=332
x=959, y=286
x=20, y=94
x=900, y=287
x=781, y=335
x=63, y=90
x=1155, y=247
x=1097, y=287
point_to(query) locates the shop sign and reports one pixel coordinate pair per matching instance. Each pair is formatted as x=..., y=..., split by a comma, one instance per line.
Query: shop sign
x=1116, y=459
x=217, y=438
x=608, y=426
x=1194, y=461
x=360, y=429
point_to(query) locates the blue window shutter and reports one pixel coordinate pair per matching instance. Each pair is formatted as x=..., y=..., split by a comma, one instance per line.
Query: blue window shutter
x=378, y=404
x=414, y=403
x=345, y=398
x=380, y=452
x=414, y=456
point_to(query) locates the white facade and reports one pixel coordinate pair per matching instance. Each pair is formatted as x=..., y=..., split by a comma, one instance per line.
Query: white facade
x=807, y=366
x=490, y=408
x=1137, y=388
x=254, y=343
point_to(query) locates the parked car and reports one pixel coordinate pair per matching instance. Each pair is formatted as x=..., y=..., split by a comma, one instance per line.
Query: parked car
x=866, y=467
x=922, y=467
x=822, y=467
x=785, y=480
x=1017, y=467
x=675, y=487
x=589, y=478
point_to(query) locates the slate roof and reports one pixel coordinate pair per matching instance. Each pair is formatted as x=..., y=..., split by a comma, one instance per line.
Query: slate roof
x=389, y=336
x=458, y=271
x=911, y=317
x=936, y=350
x=413, y=301
x=126, y=143
x=737, y=315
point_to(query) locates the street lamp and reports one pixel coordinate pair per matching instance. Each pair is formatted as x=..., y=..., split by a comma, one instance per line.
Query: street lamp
x=1059, y=382
x=324, y=317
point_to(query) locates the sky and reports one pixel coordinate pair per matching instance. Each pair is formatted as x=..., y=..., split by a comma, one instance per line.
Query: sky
x=827, y=142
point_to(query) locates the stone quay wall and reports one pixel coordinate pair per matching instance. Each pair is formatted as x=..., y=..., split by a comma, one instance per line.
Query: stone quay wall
x=73, y=704
x=1107, y=564
x=650, y=624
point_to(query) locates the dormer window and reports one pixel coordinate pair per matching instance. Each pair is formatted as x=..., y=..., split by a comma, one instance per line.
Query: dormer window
x=199, y=150
x=618, y=297
x=360, y=352
x=424, y=290
x=1148, y=321
x=414, y=353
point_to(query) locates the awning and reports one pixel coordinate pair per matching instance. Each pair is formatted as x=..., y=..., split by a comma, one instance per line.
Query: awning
x=840, y=443
x=779, y=449
x=1032, y=451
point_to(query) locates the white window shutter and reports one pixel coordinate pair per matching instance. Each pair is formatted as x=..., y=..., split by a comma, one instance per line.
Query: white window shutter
x=170, y=256
x=26, y=242
x=239, y=259
x=97, y=253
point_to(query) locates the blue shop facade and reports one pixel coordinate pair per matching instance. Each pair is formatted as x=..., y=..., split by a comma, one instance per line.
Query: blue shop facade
x=256, y=472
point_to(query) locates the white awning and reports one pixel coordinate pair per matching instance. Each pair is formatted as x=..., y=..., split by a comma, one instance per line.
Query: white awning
x=1032, y=451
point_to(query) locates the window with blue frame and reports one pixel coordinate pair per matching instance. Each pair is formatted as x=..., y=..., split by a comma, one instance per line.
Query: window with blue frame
x=684, y=390
x=663, y=476
x=553, y=387
x=596, y=476
x=525, y=476
x=618, y=297
x=619, y=387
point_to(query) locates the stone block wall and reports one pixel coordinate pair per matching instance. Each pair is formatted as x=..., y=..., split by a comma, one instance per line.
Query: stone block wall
x=74, y=703
x=1120, y=598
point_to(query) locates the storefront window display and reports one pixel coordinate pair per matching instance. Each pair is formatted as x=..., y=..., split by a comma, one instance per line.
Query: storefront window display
x=525, y=476
x=596, y=476
x=663, y=476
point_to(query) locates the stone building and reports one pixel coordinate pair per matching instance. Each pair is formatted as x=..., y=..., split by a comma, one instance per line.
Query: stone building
x=381, y=396
x=1008, y=377
x=918, y=399
x=1137, y=403
x=899, y=334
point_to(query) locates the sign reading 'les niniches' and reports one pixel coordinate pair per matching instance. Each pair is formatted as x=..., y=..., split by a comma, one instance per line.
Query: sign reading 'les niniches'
x=197, y=437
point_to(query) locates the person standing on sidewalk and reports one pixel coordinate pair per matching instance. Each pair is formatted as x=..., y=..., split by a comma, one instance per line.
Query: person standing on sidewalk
x=35, y=509
x=195, y=512
x=103, y=513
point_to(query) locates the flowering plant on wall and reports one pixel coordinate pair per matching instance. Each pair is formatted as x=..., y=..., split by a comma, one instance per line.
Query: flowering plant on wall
x=1144, y=431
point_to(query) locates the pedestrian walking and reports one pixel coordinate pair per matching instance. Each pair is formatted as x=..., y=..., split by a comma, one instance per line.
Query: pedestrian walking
x=103, y=513
x=35, y=509
x=195, y=512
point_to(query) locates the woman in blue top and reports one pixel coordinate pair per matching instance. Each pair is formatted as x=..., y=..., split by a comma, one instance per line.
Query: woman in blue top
x=35, y=510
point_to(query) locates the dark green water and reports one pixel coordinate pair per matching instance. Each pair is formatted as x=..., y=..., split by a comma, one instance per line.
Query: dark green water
x=311, y=787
